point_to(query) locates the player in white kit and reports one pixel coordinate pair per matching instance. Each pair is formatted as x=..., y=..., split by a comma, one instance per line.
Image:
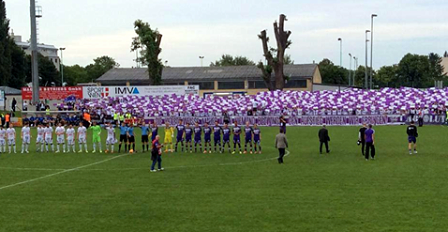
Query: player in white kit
x=26, y=138
x=49, y=137
x=70, y=138
x=111, y=140
x=2, y=139
x=60, y=138
x=82, y=137
x=40, y=141
x=11, y=135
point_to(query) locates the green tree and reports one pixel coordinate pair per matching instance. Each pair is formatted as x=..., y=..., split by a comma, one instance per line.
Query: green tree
x=75, y=74
x=288, y=60
x=47, y=71
x=360, y=75
x=229, y=60
x=19, y=67
x=148, y=42
x=436, y=67
x=414, y=71
x=332, y=74
x=387, y=77
x=100, y=66
x=5, y=47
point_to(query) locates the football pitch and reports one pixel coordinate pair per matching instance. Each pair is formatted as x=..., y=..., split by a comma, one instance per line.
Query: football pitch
x=339, y=191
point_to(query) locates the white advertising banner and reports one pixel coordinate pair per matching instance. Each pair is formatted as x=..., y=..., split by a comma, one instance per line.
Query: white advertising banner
x=95, y=92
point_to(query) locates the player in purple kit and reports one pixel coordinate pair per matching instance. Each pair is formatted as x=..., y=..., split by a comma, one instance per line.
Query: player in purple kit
x=236, y=137
x=226, y=137
x=370, y=142
x=188, y=134
x=180, y=135
x=197, y=137
x=207, y=138
x=217, y=130
x=257, y=138
x=248, y=138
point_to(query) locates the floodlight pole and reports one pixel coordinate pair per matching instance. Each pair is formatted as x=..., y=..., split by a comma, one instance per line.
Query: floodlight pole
x=34, y=53
x=367, y=58
x=371, y=50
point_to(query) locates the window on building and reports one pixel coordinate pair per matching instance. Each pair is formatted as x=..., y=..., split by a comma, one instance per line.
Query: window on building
x=257, y=85
x=296, y=84
x=204, y=85
x=231, y=85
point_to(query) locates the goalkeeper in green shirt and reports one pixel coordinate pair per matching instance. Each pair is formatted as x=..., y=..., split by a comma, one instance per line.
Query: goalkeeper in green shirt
x=96, y=131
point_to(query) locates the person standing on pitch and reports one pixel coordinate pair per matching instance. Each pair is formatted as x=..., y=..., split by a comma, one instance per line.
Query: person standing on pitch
x=40, y=141
x=370, y=142
x=236, y=138
x=188, y=135
x=96, y=137
x=248, y=131
x=180, y=135
x=145, y=136
x=26, y=138
x=111, y=140
x=49, y=137
x=70, y=138
x=283, y=124
x=281, y=143
x=197, y=137
x=226, y=137
x=60, y=138
x=361, y=139
x=123, y=137
x=207, y=138
x=156, y=155
x=154, y=130
x=217, y=130
x=412, y=137
x=257, y=138
x=82, y=137
x=11, y=134
x=169, y=135
x=131, y=138
x=323, y=139
x=2, y=139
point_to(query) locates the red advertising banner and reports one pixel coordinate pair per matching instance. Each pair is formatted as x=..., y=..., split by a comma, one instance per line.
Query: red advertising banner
x=53, y=93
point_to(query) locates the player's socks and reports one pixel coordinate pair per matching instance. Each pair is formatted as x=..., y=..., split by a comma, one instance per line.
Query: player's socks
x=143, y=148
x=99, y=146
x=119, y=148
x=133, y=146
x=52, y=147
x=112, y=148
x=23, y=148
x=94, y=146
x=85, y=146
x=80, y=147
x=14, y=149
x=63, y=148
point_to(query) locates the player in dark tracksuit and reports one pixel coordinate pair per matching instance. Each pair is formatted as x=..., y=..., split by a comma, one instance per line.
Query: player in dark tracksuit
x=236, y=138
x=257, y=138
x=180, y=135
x=412, y=137
x=248, y=132
x=217, y=130
x=188, y=135
x=154, y=131
x=197, y=137
x=207, y=138
x=226, y=136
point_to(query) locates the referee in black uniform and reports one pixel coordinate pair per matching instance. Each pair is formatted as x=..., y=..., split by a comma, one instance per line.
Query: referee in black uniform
x=362, y=139
x=412, y=137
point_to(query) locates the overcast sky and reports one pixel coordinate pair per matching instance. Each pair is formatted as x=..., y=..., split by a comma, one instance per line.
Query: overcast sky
x=193, y=28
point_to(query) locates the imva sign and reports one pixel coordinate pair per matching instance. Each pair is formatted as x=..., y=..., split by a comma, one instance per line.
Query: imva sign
x=96, y=92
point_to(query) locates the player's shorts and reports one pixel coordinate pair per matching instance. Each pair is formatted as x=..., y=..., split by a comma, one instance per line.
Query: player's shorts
x=168, y=139
x=111, y=141
x=11, y=142
x=2, y=142
x=217, y=140
x=225, y=140
x=26, y=140
x=257, y=141
x=123, y=138
x=412, y=139
x=82, y=140
x=207, y=140
x=179, y=139
x=131, y=139
x=236, y=140
x=40, y=140
x=96, y=139
x=248, y=140
x=145, y=138
x=196, y=140
x=49, y=140
x=188, y=140
x=70, y=140
x=60, y=140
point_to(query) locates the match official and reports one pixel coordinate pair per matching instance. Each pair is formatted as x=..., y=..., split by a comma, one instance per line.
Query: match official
x=323, y=138
x=412, y=137
x=281, y=143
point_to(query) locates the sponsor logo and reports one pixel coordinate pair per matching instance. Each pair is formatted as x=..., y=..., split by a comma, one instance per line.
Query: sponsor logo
x=126, y=91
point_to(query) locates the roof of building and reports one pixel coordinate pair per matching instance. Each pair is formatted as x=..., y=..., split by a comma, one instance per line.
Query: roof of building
x=170, y=74
x=11, y=91
x=26, y=45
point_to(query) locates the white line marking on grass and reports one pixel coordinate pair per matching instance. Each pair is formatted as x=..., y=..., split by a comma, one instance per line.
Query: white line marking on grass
x=148, y=168
x=62, y=172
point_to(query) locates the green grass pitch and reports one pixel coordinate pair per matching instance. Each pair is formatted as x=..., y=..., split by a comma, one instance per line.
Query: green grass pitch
x=339, y=191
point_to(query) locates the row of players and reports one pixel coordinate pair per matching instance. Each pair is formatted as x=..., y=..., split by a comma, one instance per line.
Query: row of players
x=185, y=133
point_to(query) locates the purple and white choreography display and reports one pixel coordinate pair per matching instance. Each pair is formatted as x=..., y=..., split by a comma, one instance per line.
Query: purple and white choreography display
x=351, y=106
